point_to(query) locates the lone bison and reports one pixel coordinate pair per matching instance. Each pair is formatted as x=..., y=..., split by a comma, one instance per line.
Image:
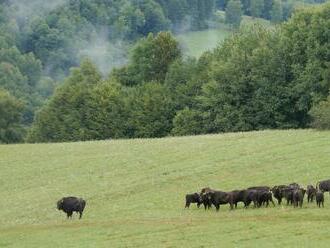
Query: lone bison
x=319, y=198
x=71, y=204
x=193, y=198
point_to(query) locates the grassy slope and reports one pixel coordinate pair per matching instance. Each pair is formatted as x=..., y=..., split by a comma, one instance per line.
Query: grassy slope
x=135, y=191
x=195, y=43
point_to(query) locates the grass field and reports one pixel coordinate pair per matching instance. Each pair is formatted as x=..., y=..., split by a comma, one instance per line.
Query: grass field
x=195, y=43
x=135, y=191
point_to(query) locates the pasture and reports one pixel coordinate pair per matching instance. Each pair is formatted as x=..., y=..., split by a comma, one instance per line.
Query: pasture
x=135, y=191
x=195, y=43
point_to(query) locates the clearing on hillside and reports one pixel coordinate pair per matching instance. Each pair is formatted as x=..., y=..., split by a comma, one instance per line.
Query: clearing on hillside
x=135, y=191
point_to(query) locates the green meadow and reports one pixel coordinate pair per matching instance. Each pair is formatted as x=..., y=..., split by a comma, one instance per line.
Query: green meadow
x=135, y=191
x=195, y=43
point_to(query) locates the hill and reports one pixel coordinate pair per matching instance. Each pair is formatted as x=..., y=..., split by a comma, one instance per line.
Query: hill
x=135, y=191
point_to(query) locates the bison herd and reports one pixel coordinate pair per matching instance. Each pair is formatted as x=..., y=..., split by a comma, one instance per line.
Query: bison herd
x=293, y=194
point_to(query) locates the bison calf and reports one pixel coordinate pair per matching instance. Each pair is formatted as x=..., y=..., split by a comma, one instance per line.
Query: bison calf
x=193, y=198
x=71, y=204
x=319, y=198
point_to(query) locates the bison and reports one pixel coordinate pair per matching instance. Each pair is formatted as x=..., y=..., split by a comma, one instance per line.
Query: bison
x=323, y=185
x=319, y=198
x=193, y=198
x=311, y=192
x=298, y=197
x=264, y=197
x=278, y=192
x=71, y=204
x=218, y=198
x=236, y=196
x=250, y=195
x=206, y=197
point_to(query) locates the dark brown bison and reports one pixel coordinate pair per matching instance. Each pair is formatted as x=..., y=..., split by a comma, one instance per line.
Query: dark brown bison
x=323, y=185
x=278, y=192
x=311, y=192
x=193, y=198
x=250, y=195
x=319, y=198
x=236, y=196
x=71, y=204
x=288, y=195
x=206, y=197
x=218, y=198
x=264, y=197
x=298, y=197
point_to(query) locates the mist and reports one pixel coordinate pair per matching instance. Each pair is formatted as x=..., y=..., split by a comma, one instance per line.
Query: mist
x=104, y=53
x=23, y=9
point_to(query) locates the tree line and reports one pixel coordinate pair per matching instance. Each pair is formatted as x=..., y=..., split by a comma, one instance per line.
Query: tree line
x=257, y=79
x=39, y=42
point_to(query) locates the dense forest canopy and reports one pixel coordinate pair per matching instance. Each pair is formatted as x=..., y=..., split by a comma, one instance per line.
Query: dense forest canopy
x=258, y=78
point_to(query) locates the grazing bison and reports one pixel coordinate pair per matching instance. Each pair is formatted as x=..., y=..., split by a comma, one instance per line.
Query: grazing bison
x=319, y=198
x=218, y=198
x=264, y=197
x=323, y=185
x=311, y=192
x=278, y=192
x=193, y=198
x=71, y=204
x=298, y=197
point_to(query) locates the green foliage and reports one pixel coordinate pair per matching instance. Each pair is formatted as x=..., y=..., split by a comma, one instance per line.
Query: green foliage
x=321, y=115
x=11, y=113
x=151, y=58
x=151, y=110
x=187, y=122
x=65, y=117
x=234, y=13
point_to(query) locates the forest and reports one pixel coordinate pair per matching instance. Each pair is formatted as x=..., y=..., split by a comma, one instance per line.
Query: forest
x=75, y=70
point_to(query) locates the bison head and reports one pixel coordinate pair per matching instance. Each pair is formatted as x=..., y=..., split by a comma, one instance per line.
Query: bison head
x=60, y=204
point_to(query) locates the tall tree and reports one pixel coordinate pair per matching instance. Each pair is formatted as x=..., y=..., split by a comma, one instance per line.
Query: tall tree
x=11, y=113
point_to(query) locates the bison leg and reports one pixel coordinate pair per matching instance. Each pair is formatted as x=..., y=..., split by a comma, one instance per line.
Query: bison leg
x=69, y=215
x=217, y=206
x=187, y=205
x=198, y=204
x=80, y=214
